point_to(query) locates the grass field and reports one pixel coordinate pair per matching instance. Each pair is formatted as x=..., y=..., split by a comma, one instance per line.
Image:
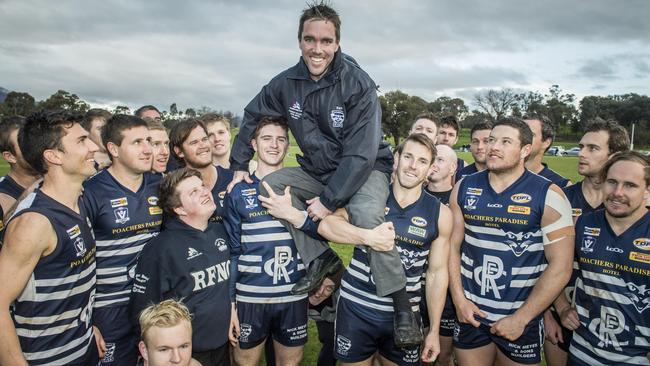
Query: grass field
x=565, y=166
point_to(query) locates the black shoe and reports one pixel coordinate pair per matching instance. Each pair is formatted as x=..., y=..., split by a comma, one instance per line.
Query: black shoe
x=317, y=270
x=406, y=329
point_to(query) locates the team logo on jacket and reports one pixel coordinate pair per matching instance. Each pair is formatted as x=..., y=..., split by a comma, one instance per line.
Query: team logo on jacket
x=221, y=244
x=642, y=243
x=121, y=215
x=338, y=116
x=295, y=111
x=521, y=198
x=119, y=202
x=80, y=246
x=419, y=221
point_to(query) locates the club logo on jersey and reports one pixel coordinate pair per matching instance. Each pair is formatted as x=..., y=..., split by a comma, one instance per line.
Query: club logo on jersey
x=640, y=257
x=74, y=231
x=251, y=202
x=475, y=191
x=588, y=243
x=409, y=257
x=470, y=202
x=575, y=212
x=276, y=267
x=642, y=243
x=109, y=354
x=155, y=210
x=245, y=331
x=343, y=345
x=119, y=202
x=338, y=116
x=192, y=253
x=610, y=324
x=518, y=242
x=80, y=246
x=295, y=111
x=152, y=200
x=593, y=231
x=121, y=215
x=221, y=245
x=639, y=295
x=418, y=231
x=419, y=221
x=520, y=198
x=486, y=276
x=522, y=210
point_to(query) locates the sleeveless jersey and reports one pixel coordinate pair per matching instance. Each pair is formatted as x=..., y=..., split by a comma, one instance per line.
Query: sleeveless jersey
x=123, y=222
x=53, y=314
x=416, y=227
x=557, y=179
x=579, y=204
x=467, y=170
x=612, y=292
x=9, y=187
x=224, y=177
x=269, y=264
x=502, y=254
x=443, y=197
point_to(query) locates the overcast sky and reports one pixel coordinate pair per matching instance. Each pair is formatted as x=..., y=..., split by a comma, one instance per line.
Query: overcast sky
x=220, y=53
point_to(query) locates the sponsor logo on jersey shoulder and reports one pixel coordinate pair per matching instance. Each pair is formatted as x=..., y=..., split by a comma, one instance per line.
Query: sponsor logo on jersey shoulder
x=221, y=244
x=119, y=202
x=575, y=212
x=522, y=210
x=642, y=243
x=418, y=231
x=249, y=192
x=419, y=221
x=155, y=210
x=475, y=191
x=520, y=198
x=192, y=253
x=593, y=231
x=588, y=243
x=74, y=231
x=152, y=200
x=295, y=111
x=338, y=116
x=640, y=257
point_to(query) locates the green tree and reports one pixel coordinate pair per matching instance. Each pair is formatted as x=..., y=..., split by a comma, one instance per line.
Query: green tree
x=496, y=103
x=64, y=100
x=17, y=104
x=445, y=106
x=398, y=112
x=121, y=109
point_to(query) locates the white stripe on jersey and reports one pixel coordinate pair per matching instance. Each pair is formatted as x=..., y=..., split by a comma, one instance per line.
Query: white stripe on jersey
x=493, y=231
x=263, y=289
x=104, y=303
x=249, y=269
x=354, y=273
x=269, y=300
x=42, y=320
x=130, y=239
x=494, y=304
x=638, y=341
x=36, y=333
x=58, y=295
x=598, y=277
x=528, y=270
x=256, y=238
x=68, y=279
x=250, y=258
x=123, y=251
x=261, y=225
x=583, y=356
x=111, y=280
x=33, y=356
x=606, y=355
x=606, y=295
x=496, y=245
x=362, y=302
x=360, y=265
x=109, y=271
x=374, y=297
x=124, y=292
x=644, y=331
x=521, y=283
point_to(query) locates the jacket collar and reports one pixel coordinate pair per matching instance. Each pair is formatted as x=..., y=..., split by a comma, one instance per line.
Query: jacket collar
x=176, y=224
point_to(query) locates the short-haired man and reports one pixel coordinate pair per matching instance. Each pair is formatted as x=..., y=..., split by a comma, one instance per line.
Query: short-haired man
x=192, y=146
x=218, y=128
x=47, y=263
x=264, y=261
x=610, y=315
x=441, y=176
x=93, y=122
x=20, y=175
x=427, y=124
x=479, y=137
x=166, y=334
x=333, y=111
x=601, y=140
x=189, y=260
x=415, y=225
x=122, y=206
x=159, y=145
x=448, y=134
x=148, y=111
x=512, y=253
x=543, y=136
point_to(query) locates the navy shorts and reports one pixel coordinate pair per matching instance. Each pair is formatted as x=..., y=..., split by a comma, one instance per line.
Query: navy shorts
x=447, y=320
x=360, y=332
x=527, y=349
x=121, y=340
x=286, y=323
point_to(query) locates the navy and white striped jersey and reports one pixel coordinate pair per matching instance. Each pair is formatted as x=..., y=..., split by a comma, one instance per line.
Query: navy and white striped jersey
x=612, y=293
x=467, y=170
x=53, y=314
x=416, y=227
x=224, y=177
x=123, y=222
x=268, y=264
x=579, y=204
x=554, y=177
x=502, y=254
